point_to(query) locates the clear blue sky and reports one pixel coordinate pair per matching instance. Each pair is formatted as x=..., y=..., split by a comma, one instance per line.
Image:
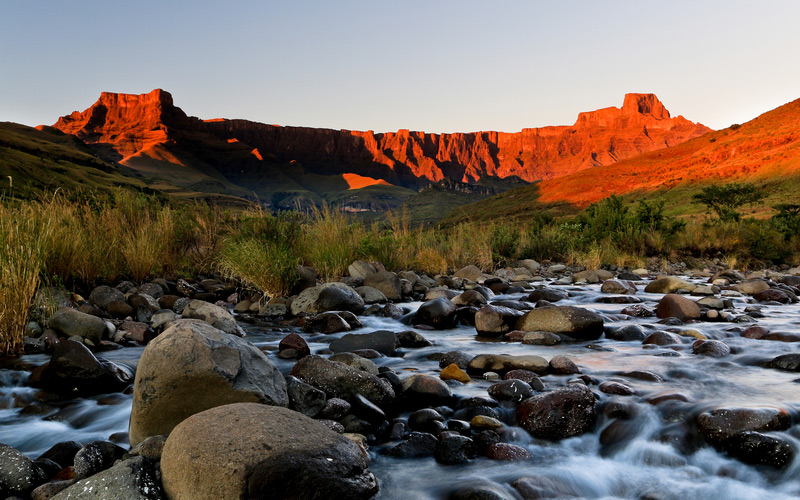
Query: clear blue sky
x=432, y=65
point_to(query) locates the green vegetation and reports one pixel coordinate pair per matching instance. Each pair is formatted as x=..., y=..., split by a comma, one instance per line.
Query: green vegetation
x=725, y=200
x=78, y=240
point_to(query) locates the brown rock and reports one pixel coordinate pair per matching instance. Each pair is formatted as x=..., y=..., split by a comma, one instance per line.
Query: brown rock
x=453, y=372
x=248, y=450
x=676, y=306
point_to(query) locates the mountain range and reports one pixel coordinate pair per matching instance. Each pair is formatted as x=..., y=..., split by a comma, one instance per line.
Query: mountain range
x=145, y=141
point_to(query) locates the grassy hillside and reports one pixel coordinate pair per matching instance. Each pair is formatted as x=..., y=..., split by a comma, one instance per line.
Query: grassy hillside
x=764, y=151
x=44, y=160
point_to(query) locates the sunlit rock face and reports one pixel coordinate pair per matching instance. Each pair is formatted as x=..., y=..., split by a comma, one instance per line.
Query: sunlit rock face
x=127, y=127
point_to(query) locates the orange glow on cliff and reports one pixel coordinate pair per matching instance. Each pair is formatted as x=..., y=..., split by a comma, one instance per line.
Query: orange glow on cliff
x=355, y=181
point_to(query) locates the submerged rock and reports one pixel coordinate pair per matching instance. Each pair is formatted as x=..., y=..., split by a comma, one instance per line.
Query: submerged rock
x=562, y=413
x=575, y=322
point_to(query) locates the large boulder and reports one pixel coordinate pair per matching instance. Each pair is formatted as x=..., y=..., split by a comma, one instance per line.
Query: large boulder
x=328, y=297
x=565, y=412
x=71, y=322
x=74, y=370
x=387, y=282
x=677, y=306
x=339, y=380
x=212, y=314
x=192, y=367
x=668, y=284
x=496, y=320
x=576, y=322
x=255, y=451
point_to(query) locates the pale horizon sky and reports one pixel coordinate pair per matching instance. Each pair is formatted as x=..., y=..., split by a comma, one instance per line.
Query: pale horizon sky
x=435, y=66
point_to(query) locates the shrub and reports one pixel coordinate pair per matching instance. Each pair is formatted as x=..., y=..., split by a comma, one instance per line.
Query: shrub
x=726, y=200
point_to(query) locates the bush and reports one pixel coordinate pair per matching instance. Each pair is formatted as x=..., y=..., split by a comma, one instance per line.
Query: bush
x=726, y=200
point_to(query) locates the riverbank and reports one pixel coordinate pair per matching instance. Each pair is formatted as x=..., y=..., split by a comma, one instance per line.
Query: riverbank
x=616, y=383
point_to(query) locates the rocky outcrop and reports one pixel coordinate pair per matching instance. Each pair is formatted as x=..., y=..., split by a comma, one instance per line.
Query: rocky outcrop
x=124, y=126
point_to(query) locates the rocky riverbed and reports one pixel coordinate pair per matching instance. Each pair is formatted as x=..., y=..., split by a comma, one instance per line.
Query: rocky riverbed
x=531, y=382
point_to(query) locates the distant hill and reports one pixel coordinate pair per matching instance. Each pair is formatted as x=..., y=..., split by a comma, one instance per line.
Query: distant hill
x=764, y=151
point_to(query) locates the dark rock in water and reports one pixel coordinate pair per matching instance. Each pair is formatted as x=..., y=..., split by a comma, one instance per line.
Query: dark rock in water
x=327, y=322
x=511, y=390
x=328, y=297
x=620, y=287
x=638, y=311
x=619, y=299
x=62, y=453
x=616, y=388
x=18, y=473
x=576, y=322
x=70, y=322
x=193, y=366
x=677, y=306
x=248, y=450
x=507, y=452
x=469, y=298
x=720, y=425
x=548, y=294
x=95, y=457
x=437, y=313
x=711, y=348
x=562, y=365
x=339, y=380
x=393, y=311
x=73, y=369
x=502, y=363
x=531, y=488
x=304, y=398
x=760, y=449
x=296, y=342
x=103, y=295
x=454, y=449
x=425, y=420
x=484, y=490
x=513, y=304
x=526, y=376
x=565, y=412
x=645, y=375
x=418, y=444
x=496, y=320
x=626, y=333
x=356, y=361
x=412, y=339
x=424, y=390
x=663, y=338
x=772, y=295
x=539, y=338
x=382, y=341
x=459, y=358
x=789, y=362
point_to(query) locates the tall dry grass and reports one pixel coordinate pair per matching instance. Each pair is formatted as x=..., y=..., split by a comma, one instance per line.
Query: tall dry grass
x=23, y=241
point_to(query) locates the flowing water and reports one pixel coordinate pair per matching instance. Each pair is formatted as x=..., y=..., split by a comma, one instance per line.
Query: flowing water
x=646, y=463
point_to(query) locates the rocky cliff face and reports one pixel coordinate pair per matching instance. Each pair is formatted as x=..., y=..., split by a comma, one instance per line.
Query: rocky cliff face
x=124, y=125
